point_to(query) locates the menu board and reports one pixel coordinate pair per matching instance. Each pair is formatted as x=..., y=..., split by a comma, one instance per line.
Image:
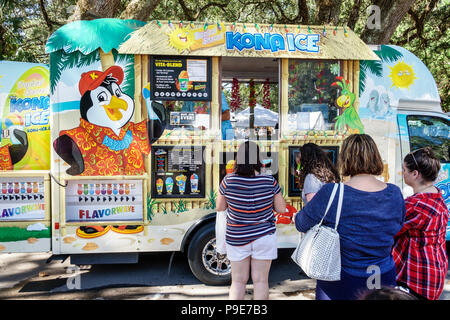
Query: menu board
x=294, y=172
x=178, y=172
x=180, y=78
x=22, y=199
x=104, y=200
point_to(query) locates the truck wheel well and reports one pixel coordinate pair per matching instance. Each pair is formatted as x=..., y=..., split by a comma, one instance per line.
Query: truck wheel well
x=209, y=218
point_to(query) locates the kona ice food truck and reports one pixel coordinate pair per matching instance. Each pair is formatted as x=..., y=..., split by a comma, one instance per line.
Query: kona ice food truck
x=136, y=151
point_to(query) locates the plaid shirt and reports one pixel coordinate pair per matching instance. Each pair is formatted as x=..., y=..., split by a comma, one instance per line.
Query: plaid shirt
x=419, y=250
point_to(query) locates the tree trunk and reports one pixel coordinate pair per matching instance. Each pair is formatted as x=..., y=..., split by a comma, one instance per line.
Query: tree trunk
x=354, y=15
x=139, y=9
x=90, y=10
x=303, y=11
x=328, y=11
x=106, y=59
x=391, y=14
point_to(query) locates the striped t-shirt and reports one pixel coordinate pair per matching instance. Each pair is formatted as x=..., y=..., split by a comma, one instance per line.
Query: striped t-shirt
x=250, y=207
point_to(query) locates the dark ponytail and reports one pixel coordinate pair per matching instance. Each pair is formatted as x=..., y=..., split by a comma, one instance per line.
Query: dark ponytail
x=248, y=159
x=425, y=162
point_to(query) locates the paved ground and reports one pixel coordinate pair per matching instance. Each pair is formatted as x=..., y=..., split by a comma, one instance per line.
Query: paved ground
x=28, y=276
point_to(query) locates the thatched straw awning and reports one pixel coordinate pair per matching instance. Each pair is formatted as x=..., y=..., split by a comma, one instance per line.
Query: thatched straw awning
x=247, y=40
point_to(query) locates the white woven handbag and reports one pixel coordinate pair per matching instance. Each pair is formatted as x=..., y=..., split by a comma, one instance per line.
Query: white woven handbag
x=221, y=229
x=318, y=252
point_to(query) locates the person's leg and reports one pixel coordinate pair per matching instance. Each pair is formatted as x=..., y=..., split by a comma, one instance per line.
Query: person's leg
x=260, y=277
x=239, y=277
x=264, y=250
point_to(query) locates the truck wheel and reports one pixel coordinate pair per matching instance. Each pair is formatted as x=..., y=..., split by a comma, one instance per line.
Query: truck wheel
x=206, y=264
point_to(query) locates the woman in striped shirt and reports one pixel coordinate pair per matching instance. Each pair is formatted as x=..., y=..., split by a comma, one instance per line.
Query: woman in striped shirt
x=251, y=234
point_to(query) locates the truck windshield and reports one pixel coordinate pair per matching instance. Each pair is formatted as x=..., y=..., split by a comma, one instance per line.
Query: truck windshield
x=430, y=131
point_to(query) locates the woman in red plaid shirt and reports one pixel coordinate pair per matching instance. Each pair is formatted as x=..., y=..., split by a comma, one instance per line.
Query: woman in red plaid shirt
x=419, y=250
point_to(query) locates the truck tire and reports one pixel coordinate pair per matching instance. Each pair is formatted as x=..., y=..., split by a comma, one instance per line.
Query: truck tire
x=206, y=264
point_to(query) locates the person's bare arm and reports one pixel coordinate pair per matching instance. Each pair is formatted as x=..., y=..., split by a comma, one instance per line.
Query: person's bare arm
x=309, y=196
x=221, y=203
x=278, y=203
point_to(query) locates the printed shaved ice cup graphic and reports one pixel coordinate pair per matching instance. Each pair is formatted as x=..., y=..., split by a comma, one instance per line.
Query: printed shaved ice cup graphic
x=183, y=78
x=194, y=182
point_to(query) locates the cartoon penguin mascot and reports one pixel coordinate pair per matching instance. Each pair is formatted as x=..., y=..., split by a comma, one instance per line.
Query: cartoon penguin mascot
x=107, y=143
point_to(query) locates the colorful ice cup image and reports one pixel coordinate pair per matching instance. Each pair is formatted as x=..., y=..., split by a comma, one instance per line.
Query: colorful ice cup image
x=181, y=183
x=194, y=183
x=183, y=78
x=159, y=185
x=169, y=185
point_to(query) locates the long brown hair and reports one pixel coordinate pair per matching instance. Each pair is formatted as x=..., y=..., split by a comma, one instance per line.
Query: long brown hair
x=315, y=161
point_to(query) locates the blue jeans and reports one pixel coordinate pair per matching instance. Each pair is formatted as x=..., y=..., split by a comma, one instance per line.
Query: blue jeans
x=350, y=287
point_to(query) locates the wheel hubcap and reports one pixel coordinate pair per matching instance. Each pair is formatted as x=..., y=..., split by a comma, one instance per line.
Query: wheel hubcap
x=215, y=262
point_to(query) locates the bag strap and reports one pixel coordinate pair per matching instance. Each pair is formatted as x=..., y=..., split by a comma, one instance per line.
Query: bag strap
x=330, y=201
x=339, y=206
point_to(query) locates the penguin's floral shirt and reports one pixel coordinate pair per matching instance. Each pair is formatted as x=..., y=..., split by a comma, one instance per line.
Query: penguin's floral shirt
x=106, y=154
x=5, y=158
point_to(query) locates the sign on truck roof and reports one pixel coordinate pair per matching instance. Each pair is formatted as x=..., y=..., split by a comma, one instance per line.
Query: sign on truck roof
x=254, y=40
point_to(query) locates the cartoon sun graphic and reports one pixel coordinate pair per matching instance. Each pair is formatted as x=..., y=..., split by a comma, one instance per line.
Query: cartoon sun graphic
x=181, y=39
x=402, y=75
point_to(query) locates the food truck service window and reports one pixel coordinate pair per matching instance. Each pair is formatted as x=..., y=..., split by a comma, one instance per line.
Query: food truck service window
x=250, y=97
x=311, y=96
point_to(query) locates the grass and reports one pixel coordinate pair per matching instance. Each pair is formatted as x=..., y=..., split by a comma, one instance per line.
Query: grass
x=211, y=202
x=18, y=234
x=151, y=203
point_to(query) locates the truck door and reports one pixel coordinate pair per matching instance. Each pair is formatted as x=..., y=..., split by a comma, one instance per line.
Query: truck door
x=421, y=130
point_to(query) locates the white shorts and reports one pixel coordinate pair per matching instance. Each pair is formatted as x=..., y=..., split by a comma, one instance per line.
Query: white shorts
x=264, y=248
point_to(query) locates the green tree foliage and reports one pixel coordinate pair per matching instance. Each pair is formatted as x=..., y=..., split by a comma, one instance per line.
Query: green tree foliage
x=425, y=32
x=420, y=26
x=26, y=25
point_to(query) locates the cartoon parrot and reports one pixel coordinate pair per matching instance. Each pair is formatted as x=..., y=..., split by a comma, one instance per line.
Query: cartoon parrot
x=349, y=120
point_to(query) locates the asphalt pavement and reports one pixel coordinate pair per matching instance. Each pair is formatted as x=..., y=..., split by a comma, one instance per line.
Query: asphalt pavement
x=28, y=276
